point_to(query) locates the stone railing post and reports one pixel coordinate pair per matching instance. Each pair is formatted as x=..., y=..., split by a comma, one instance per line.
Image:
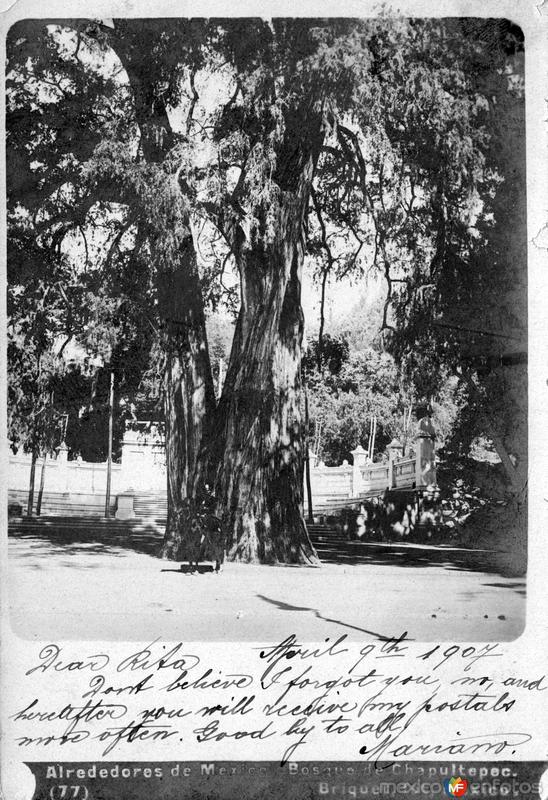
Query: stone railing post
x=124, y=505
x=425, y=469
x=359, y=456
x=134, y=464
x=62, y=467
x=395, y=451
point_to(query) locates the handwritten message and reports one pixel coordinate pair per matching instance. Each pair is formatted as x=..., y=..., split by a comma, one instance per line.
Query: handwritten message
x=385, y=700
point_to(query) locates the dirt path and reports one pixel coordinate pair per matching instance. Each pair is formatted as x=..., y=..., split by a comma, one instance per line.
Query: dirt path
x=87, y=590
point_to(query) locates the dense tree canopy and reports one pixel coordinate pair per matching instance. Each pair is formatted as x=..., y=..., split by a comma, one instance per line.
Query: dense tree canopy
x=153, y=157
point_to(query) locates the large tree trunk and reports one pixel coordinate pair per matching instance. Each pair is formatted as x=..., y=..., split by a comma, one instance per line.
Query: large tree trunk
x=259, y=485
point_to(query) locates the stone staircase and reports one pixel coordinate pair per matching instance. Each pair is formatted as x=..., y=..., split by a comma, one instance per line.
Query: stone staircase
x=325, y=538
x=64, y=504
x=153, y=505
x=101, y=526
x=144, y=532
x=83, y=526
x=330, y=542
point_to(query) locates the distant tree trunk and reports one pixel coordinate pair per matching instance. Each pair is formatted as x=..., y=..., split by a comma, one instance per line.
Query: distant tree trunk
x=109, y=456
x=310, y=516
x=326, y=271
x=30, y=501
x=41, y=489
x=373, y=437
x=370, y=439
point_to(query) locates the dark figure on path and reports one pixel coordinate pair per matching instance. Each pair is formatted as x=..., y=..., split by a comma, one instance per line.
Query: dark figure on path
x=213, y=545
x=207, y=534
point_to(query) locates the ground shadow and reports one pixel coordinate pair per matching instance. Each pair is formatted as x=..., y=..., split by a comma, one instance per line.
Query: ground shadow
x=288, y=607
x=185, y=569
x=79, y=537
x=403, y=554
x=94, y=537
x=519, y=588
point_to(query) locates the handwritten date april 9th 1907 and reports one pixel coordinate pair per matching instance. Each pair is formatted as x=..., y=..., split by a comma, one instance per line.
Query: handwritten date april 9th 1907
x=291, y=695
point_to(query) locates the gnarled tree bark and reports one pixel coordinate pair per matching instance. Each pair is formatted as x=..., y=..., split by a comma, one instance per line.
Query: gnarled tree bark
x=189, y=393
x=259, y=478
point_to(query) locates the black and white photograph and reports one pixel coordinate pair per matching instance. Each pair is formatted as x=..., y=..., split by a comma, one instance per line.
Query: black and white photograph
x=275, y=400
x=267, y=328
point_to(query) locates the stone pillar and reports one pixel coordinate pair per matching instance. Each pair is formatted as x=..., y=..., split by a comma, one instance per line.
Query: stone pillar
x=62, y=467
x=425, y=470
x=359, y=456
x=124, y=505
x=395, y=451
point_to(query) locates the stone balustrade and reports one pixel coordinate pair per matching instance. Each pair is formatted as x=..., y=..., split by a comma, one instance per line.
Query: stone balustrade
x=142, y=470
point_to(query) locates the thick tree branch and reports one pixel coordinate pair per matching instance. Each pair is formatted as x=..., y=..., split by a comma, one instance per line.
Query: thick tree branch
x=193, y=101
